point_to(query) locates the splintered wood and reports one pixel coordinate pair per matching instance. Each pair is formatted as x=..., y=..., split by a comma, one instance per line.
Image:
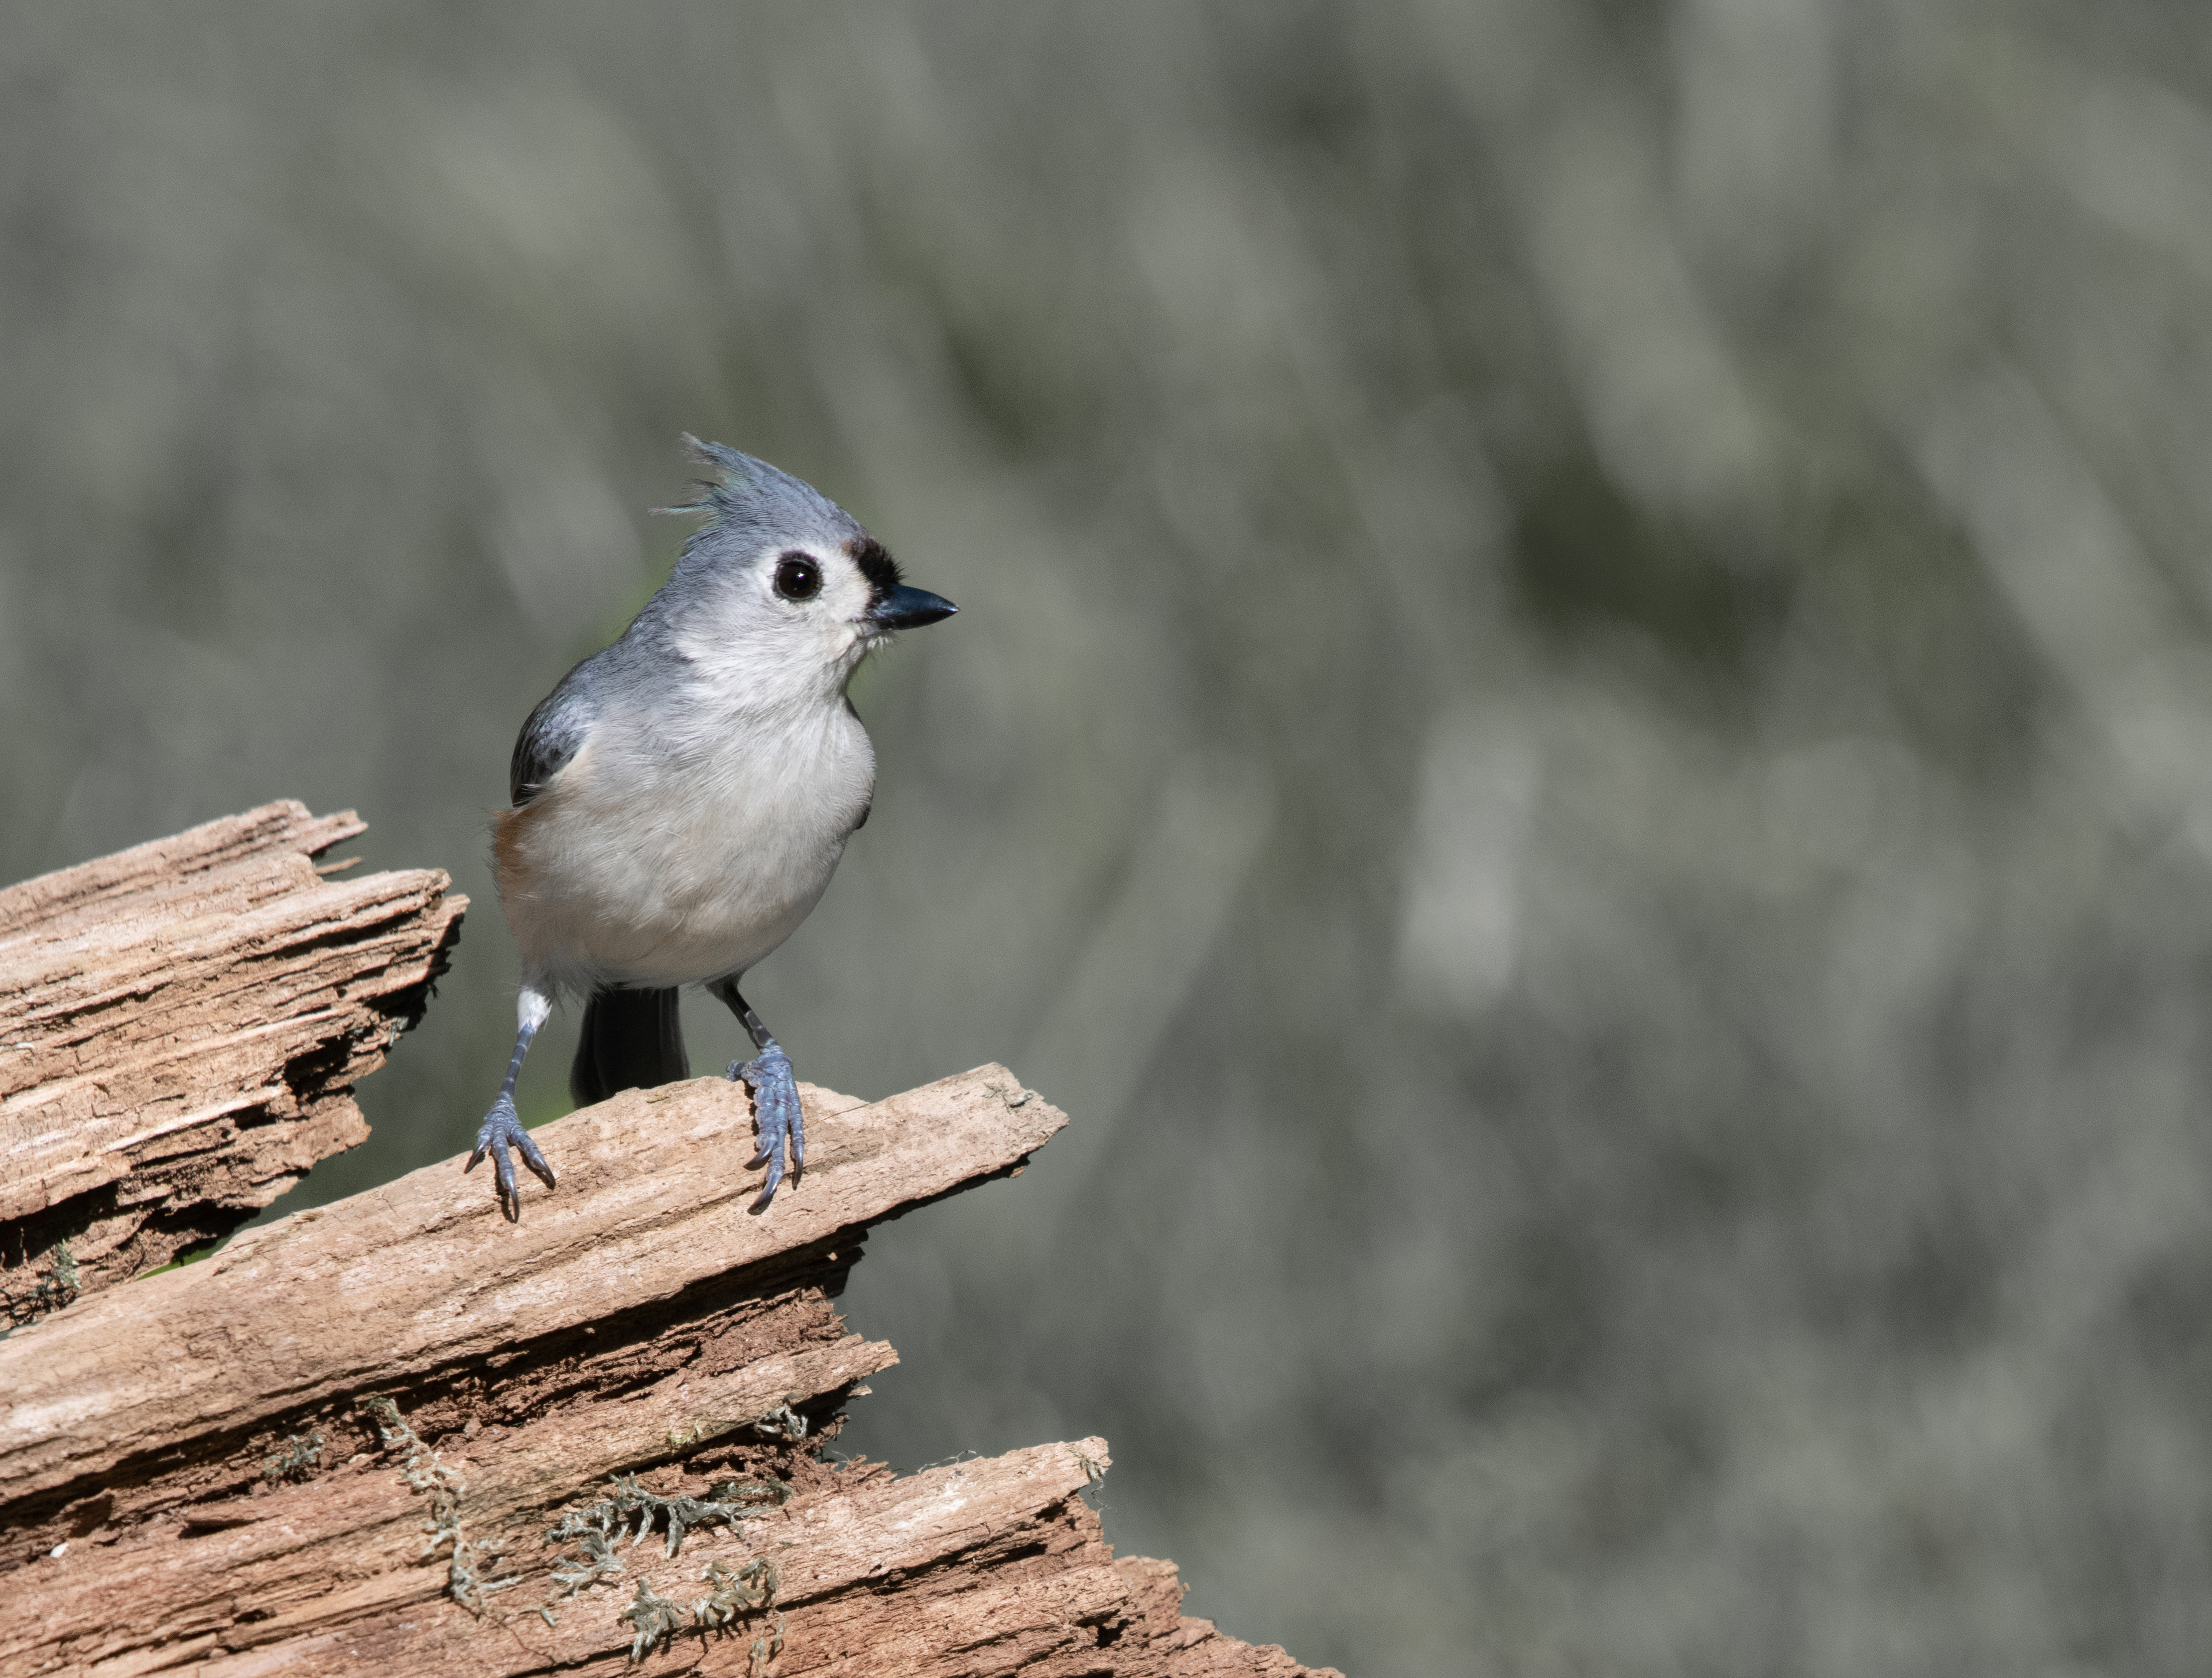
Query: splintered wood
x=399, y=1435
x=181, y=1025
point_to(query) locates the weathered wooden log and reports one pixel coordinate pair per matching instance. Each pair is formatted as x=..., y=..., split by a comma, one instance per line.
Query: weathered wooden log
x=181, y=1025
x=399, y=1435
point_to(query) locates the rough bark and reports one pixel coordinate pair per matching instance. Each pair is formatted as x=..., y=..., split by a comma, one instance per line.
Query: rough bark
x=194, y=1477
x=181, y=1025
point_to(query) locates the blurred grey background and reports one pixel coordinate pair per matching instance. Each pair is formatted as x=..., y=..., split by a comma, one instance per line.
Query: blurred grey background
x=1580, y=736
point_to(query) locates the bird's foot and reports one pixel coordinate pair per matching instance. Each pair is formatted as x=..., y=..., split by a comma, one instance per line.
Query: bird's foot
x=500, y=1131
x=776, y=1118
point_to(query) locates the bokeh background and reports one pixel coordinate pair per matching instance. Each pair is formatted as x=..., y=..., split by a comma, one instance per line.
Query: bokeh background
x=1580, y=736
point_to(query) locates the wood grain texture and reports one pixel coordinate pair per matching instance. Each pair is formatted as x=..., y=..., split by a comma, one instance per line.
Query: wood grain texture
x=637, y=1323
x=181, y=1025
x=423, y=1274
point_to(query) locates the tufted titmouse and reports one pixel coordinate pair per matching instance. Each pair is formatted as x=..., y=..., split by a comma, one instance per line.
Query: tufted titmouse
x=681, y=799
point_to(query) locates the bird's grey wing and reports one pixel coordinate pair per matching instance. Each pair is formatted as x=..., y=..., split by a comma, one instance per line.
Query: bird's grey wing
x=553, y=733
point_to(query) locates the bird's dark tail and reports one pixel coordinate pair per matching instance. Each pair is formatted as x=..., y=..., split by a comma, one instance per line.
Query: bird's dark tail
x=632, y=1040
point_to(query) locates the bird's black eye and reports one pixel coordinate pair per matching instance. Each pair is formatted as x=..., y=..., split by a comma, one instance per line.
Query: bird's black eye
x=798, y=577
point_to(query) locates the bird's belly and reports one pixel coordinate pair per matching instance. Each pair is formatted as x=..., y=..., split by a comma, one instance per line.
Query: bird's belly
x=715, y=880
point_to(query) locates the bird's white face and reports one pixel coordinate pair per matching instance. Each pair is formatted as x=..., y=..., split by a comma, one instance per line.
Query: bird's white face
x=822, y=596
x=792, y=625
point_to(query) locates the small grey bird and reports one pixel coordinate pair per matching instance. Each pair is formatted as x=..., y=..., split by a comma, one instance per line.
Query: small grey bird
x=681, y=799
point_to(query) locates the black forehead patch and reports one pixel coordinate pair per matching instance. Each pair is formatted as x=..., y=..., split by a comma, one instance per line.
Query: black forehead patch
x=876, y=564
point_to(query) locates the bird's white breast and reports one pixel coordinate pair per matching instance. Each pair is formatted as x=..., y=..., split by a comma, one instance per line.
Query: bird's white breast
x=666, y=854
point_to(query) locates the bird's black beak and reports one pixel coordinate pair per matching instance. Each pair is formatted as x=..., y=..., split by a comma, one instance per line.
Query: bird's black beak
x=907, y=608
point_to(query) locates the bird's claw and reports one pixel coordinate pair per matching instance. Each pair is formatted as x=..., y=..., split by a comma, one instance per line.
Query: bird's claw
x=502, y=1130
x=776, y=1118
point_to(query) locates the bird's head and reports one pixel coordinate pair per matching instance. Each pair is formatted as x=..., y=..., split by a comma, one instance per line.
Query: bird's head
x=781, y=584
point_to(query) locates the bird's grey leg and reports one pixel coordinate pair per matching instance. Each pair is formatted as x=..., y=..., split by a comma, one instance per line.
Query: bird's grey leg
x=776, y=1117
x=502, y=1128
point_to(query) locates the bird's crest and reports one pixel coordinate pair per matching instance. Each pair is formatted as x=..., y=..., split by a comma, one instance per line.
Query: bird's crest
x=746, y=490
